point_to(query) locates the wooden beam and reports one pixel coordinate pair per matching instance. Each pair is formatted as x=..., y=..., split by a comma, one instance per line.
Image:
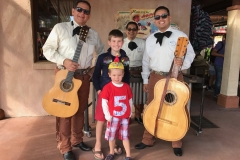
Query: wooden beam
x=219, y=6
x=235, y=2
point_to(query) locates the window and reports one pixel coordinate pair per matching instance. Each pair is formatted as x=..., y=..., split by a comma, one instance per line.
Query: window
x=45, y=14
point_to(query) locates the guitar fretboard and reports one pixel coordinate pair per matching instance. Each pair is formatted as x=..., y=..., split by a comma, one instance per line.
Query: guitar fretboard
x=75, y=59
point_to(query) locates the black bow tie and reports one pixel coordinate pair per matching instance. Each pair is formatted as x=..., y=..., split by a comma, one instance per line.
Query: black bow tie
x=132, y=45
x=160, y=36
x=76, y=30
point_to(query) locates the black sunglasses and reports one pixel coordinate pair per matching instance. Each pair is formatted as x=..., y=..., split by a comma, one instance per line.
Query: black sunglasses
x=157, y=17
x=132, y=29
x=79, y=9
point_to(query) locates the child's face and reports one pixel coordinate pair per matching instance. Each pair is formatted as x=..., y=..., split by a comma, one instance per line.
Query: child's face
x=115, y=43
x=116, y=75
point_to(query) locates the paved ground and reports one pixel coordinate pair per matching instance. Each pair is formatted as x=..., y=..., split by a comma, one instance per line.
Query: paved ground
x=33, y=138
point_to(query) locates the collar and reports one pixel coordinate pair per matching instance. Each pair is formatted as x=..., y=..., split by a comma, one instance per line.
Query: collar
x=128, y=40
x=74, y=24
x=121, y=52
x=117, y=85
x=169, y=29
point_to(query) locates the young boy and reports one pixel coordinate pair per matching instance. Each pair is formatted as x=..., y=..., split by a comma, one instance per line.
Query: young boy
x=101, y=78
x=117, y=107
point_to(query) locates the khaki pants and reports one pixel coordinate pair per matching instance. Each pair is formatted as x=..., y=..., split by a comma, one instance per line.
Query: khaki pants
x=69, y=131
x=149, y=139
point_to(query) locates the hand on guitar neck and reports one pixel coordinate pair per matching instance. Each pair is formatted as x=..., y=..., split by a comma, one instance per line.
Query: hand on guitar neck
x=178, y=61
x=70, y=65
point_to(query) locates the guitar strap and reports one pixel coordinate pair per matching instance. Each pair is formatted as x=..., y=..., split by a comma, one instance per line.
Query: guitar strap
x=162, y=99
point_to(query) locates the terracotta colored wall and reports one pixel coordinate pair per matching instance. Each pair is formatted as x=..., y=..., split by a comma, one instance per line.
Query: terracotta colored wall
x=21, y=84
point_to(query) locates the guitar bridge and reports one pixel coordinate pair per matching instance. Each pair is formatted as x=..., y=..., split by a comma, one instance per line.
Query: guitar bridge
x=61, y=102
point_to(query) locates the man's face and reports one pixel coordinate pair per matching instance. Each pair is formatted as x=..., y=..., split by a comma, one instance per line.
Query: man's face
x=131, y=31
x=162, y=23
x=81, y=18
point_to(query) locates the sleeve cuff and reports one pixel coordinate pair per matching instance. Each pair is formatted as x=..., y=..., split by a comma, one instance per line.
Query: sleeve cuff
x=145, y=81
x=108, y=118
x=60, y=60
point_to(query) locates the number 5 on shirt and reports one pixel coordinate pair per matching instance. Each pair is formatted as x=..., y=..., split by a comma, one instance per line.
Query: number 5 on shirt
x=117, y=103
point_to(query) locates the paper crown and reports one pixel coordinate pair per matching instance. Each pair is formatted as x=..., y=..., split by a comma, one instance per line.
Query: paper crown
x=116, y=64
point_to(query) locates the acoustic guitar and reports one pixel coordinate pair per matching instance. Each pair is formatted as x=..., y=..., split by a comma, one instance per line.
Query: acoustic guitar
x=62, y=99
x=166, y=116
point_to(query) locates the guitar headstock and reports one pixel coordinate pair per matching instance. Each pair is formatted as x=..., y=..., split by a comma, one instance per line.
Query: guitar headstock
x=83, y=33
x=181, y=47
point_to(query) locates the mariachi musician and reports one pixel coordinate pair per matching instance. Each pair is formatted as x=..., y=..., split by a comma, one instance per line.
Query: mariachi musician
x=157, y=60
x=134, y=48
x=60, y=48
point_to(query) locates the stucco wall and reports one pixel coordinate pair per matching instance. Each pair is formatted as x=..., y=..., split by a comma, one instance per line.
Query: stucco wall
x=21, y=86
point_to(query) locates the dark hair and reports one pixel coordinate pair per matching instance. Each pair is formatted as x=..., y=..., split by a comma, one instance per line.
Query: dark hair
x=131, y=22
x=115, y=33
x=82, y=1
x=162, y=7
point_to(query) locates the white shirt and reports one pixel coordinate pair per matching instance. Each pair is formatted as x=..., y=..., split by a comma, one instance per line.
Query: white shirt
x=135, y=56
x=159, y=58
x=60, y=45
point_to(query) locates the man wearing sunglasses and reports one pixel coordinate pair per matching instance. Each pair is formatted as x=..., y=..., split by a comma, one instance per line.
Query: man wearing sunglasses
x=134, y=47
x=60, y=48
x=157, y=60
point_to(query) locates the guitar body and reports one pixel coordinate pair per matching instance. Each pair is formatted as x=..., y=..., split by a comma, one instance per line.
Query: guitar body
x=173, y=122
x=62, y=100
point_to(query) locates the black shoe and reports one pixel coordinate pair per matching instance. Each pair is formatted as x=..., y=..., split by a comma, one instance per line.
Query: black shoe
x=141, y=146
x=83, y=146
x=69, y=156
x=139, y=120
x=177, y=151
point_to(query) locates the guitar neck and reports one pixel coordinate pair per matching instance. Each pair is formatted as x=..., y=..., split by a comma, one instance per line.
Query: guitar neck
x=69, y=76
x=82, y=38
x=180, y=51
x=75, y=59
x=77, y=51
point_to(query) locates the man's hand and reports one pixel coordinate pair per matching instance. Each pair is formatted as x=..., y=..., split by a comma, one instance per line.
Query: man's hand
x=70, y=65
x=98, y=92
x=178, y=61
x=145, y=87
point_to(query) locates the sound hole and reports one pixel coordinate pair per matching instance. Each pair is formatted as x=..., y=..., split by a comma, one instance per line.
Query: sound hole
x=170, y=98
x=66, y=86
